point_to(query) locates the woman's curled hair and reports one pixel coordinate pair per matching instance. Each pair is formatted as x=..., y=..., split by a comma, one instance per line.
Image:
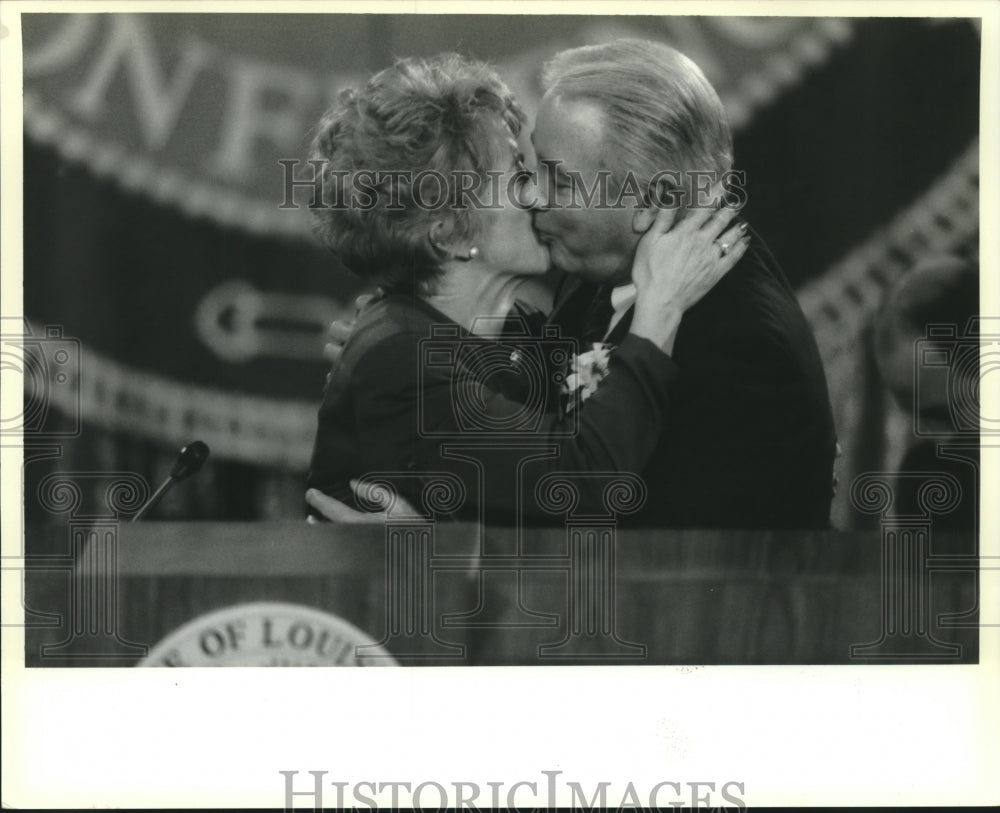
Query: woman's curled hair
x=445, y=114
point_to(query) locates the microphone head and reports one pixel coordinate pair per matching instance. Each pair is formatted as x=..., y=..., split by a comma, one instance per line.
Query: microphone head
x=190, y=460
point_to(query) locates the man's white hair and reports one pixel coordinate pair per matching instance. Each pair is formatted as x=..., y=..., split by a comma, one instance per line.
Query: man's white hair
x=658, y=106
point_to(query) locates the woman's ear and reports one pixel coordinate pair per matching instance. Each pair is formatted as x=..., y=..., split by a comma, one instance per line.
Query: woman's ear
x=439, y=233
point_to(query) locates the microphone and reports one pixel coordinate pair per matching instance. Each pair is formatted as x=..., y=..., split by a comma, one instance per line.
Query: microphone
x=189, y=461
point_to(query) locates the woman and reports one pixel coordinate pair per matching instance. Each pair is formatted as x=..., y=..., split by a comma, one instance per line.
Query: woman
x=391, y=405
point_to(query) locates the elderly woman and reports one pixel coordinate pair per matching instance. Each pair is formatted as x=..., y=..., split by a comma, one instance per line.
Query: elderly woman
x=427, y=197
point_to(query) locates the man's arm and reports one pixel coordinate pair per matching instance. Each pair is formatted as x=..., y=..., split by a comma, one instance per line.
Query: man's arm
x=336, y=511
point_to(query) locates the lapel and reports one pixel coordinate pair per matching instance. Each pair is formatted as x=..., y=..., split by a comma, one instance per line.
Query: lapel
x=620, y=330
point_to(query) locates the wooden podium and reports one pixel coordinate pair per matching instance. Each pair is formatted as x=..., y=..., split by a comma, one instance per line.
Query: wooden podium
x=446, y=594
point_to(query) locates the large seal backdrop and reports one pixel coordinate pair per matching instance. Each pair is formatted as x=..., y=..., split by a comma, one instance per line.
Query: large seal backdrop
x=154, y=232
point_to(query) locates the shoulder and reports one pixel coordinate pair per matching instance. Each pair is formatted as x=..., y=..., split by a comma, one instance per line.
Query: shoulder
x=753, y=309
x=383, y=349
x=757, y=287
x=385, y=325
x=390, y=315
x=757, y=283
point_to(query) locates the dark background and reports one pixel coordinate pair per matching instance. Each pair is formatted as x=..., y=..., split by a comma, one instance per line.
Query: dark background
x=858, y=137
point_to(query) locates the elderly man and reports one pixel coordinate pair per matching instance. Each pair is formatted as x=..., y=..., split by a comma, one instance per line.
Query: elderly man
x=749, y=441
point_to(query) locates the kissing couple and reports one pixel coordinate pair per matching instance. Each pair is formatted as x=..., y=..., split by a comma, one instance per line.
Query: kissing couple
x=691, y=365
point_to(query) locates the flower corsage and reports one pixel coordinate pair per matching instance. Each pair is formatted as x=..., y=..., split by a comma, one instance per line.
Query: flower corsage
x=586, y=372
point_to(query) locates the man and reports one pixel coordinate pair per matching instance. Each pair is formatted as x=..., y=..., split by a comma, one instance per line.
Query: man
x=749, y=441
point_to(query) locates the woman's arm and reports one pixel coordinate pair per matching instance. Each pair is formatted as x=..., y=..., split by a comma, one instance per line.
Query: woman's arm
x=411, y=420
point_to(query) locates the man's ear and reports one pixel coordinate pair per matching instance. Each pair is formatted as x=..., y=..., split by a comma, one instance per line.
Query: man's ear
x=643, y=218
x=668, y=195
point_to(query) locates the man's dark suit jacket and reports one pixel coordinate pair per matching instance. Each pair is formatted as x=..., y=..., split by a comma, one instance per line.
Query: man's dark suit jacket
x=393, y=406
x=749, y=440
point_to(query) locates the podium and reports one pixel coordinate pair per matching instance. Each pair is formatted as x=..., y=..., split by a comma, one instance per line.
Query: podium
x=646, y=597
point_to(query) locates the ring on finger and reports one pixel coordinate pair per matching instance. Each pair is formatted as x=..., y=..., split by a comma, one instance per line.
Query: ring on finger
x=723, y=248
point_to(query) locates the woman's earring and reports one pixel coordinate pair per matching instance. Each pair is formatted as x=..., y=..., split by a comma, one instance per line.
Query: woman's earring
x=473, y=252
